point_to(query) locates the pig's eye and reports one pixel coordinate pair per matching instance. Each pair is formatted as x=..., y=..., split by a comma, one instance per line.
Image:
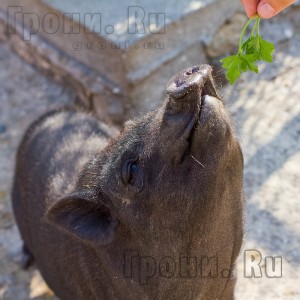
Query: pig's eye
x=131, y=174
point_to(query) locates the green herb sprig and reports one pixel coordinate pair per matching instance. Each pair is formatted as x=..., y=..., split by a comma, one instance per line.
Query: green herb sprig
x=254, y=49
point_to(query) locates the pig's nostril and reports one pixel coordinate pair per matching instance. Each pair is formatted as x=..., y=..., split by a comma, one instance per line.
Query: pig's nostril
x=192, y=71
x=179, y=82
x=195, y=69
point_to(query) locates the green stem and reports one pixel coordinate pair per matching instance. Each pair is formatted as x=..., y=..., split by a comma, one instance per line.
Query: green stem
x=255, y=26
x=243, y=33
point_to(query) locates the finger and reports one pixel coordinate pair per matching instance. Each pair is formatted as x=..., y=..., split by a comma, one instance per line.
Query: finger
x=269, y=8
x=250, y=7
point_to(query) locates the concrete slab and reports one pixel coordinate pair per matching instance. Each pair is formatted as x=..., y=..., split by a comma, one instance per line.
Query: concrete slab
x=124, y=16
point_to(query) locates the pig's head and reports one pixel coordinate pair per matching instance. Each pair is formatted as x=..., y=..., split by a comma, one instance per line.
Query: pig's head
x=169, y=184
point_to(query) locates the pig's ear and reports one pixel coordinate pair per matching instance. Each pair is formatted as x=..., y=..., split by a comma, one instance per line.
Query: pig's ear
x=83, y=218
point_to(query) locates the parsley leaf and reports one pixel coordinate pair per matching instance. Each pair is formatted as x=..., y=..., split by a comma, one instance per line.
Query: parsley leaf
x=254, y=49
x=267, y=50
x=236, y=64
x=257, y=46
x=232, y=64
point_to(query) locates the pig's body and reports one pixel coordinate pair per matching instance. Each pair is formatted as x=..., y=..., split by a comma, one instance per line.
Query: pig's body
x=63, y=141
x=100, y=210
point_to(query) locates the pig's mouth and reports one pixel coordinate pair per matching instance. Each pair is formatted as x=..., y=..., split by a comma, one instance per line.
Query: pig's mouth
x=191, y=130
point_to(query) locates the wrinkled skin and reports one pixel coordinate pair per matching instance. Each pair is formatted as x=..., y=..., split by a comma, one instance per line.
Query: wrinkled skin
x=169, y=185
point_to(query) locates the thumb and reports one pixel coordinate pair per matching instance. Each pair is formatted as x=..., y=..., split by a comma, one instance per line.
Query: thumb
x=269, y=8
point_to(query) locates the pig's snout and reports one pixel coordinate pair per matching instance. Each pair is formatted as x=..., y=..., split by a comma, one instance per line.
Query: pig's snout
x=190, y=80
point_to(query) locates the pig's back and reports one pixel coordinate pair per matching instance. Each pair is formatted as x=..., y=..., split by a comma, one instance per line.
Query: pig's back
x=49, y=160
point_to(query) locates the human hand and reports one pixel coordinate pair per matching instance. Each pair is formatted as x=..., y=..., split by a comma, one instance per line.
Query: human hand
x=265, y=8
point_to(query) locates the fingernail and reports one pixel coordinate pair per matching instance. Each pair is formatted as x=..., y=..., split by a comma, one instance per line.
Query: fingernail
x=266, y=11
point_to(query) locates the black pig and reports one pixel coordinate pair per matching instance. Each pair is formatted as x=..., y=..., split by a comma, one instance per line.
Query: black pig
x=153, y=212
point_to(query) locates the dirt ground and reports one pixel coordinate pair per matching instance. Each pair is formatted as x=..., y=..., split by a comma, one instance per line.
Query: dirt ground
x=266, y=108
